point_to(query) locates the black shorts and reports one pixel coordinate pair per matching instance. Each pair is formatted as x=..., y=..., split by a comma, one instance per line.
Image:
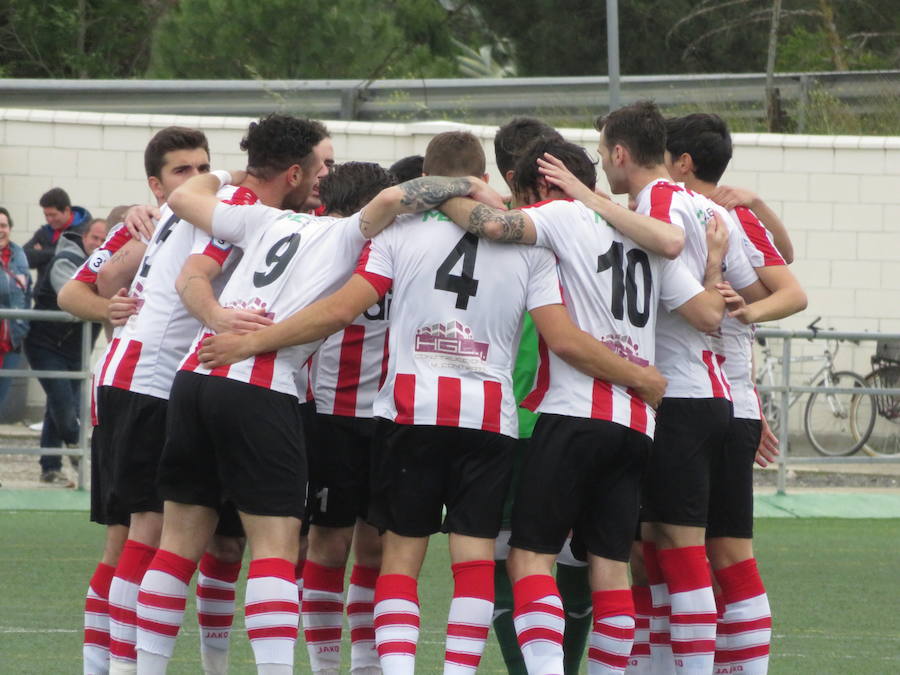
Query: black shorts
x=135, y=426
x=731, y=485
x=582, y=475
x=103, y=509
x=229, y=441
x=689, y=433
x=419, y=469
x=339, y=458
x=308, y=431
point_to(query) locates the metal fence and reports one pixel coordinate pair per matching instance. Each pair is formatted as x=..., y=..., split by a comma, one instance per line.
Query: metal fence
x=787, y=387
x=83, y=449
x=485, y=100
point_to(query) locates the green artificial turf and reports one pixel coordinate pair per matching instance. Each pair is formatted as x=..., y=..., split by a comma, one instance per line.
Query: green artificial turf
x=833, y=585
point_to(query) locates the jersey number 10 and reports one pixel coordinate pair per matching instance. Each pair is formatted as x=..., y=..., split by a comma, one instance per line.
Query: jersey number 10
x=624, y=285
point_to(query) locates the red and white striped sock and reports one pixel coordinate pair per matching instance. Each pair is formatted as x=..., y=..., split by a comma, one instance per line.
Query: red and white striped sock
x=639, y=660
x=747, y=620
x=540, y=622
x=693, y=622
x=396, y=623
x=123, y=593
x=215, y=610
x=96, y=621
x=661, y=661
x=322, y=610
x=298, y=575
x=272, y=611
x=160, y=604
x=470, y=616
x=360, y=616
x=720, y=663
x=612, y=633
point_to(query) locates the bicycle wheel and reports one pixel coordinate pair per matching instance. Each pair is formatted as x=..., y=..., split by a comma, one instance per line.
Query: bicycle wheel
x=828, y=422
x=884, y=438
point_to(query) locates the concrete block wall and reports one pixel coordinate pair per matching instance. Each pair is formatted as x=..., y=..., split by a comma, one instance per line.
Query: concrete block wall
x=838, y=195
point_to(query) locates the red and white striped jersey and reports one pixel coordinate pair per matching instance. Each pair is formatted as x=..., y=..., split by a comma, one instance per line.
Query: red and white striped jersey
x=737, y=337
x=351, y=365
x=144, y=354
x=612, y=290
x=118, y=236
x=690, y=360
x=456, y=315
x=290, y=260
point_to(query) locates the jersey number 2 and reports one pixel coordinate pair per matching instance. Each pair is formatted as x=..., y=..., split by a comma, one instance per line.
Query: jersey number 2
x=624, y=285
x=464, y=285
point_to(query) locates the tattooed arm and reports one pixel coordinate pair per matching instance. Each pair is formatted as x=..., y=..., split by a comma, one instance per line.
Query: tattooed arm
x=491, y=223
x=420, y=194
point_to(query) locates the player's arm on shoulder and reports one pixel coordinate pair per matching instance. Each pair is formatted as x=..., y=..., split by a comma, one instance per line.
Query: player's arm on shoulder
x=119, y=271
x=782, y=296
x=195, y=199
x=81, y=299
x=314, y=322
x=582, y=351
x=421, y=194
x=731, y=197
x=489, y=222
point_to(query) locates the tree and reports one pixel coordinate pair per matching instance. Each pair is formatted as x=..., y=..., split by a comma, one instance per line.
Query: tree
x=314, y=39
x=76, y=38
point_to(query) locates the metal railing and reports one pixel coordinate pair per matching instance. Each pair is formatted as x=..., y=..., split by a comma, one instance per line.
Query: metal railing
x=83, y=449
x=786, y=388
x=470, y=99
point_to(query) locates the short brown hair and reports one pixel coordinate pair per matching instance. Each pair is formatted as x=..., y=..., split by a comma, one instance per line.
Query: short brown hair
x=454, y=154
x=640, y=127
x=167, y=140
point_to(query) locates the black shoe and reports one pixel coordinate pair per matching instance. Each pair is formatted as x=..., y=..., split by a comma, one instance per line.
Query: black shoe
x=56, y=477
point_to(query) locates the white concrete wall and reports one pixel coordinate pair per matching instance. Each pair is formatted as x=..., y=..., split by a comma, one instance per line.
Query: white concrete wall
x=839, y=195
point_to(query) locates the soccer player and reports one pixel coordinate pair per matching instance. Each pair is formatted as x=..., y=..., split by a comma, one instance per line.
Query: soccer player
x=452, y=339
x=173, y=155
x=348, y=370
x=141, y=363
x=698, y=150
x=510, y=142
x=589, y=427
x=232, y=432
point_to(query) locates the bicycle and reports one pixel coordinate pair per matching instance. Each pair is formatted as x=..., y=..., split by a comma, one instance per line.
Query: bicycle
x=836, y=424
x=883, y=439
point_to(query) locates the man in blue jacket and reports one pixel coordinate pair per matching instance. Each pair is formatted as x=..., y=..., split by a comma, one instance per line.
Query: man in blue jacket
x=61, y=217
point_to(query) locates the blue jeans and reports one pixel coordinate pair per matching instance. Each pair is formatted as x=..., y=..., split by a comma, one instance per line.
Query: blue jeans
x=11, y=361
x=63, y=398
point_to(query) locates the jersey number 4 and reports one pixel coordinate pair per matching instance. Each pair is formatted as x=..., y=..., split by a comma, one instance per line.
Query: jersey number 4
x=464, y=285
x=624, y=284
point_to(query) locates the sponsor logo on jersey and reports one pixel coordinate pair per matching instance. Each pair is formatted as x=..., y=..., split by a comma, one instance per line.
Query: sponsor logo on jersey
x=450, y=345
x=625, y=347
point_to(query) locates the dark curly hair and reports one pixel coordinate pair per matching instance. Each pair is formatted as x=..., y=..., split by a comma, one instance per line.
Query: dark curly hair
x=573, y=156
x=515, y=136
x=277, y=141
x=352, y=185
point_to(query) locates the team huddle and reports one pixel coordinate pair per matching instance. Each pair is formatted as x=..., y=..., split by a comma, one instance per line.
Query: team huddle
x=329, y=359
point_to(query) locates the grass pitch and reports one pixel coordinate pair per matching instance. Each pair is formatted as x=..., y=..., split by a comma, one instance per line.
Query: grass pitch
x=833, y=586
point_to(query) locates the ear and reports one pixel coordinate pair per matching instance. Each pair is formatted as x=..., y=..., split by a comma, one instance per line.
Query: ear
x=619, y=154
x=685, y=163
x=294, y=175
x=508, y=177
x=156, y=187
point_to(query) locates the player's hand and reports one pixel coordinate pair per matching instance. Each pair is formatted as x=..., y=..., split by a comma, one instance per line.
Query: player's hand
x=767, y=452
x=652, y=386
x=240, y=321
x=140, y=220
x=730, y=197
x=121, y=306
x=482, y=192
x=716, y=237
x=557, y=174
x=736, y=305
x=223, y=350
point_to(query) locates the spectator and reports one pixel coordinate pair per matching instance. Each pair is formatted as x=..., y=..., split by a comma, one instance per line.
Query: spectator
x=61, y=217
x=57, y=346
x=15, y=293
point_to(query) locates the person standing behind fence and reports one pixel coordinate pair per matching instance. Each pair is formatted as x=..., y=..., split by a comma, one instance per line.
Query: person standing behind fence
x=61, y=217
x=15, y=293
x=52, y=345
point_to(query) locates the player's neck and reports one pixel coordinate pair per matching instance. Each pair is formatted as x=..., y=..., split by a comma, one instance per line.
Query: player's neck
x=702, y=187
x=268, y=192
x=640, y=177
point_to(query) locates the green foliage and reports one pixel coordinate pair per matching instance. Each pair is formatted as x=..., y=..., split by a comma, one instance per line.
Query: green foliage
x=315, y=39
x=76, y=38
